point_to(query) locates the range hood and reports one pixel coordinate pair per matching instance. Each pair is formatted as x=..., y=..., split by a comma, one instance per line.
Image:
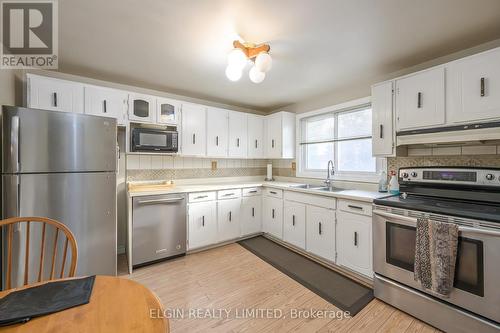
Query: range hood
x=461, y=134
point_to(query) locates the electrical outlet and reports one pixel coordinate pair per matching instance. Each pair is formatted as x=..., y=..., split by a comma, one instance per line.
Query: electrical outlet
x=294, y=166
x=214, y=165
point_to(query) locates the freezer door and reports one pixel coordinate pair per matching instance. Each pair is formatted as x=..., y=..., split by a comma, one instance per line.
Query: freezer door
x=50, y=141
x=85, y=202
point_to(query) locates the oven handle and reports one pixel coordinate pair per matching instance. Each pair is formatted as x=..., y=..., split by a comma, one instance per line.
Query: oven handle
x=460, y=228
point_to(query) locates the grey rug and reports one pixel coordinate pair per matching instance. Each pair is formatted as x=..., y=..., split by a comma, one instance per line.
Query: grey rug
x=337, y=289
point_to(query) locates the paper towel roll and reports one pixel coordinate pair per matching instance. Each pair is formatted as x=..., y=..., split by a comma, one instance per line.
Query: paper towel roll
x=269, y=172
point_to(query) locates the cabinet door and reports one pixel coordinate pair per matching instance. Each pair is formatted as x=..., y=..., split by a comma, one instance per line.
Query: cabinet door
x=474, y=88
x=106, y=102
x=217, y=132
x=273, y=216
x=273, y=136
x=255, y=136
x=320, y=232
x=228, y=219
x=237, y=134
x=141, y=108
x=193, y=130
x=55, y=95
x=382, y=139
x=294, y=224
x=202, y=226
x=251, y=215
x=354, y=242
x=420, y=100
x=167, y=111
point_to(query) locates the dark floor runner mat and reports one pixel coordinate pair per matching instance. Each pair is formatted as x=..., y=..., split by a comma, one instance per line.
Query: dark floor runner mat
x=337, y=289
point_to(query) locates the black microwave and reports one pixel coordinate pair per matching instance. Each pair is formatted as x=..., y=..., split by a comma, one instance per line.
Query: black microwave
x=154, y=140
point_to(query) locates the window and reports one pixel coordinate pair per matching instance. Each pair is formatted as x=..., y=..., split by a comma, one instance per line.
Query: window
x=344, y=136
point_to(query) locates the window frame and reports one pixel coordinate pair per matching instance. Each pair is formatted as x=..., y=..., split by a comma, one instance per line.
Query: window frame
x=361, y=176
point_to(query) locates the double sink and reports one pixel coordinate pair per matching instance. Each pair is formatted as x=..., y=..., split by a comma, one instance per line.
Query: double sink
x=317, y=188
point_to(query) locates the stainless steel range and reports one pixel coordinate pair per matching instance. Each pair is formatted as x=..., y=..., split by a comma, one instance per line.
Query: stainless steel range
x=469, y=197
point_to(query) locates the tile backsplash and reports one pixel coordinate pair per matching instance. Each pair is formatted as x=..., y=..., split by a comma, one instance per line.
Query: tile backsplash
x=492, y=161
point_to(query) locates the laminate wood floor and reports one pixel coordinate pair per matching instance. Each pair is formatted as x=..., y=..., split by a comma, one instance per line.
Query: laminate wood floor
x=231, y=278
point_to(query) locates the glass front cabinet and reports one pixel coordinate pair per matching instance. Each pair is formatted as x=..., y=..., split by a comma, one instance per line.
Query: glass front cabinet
x=142, y=108
x=167, y=111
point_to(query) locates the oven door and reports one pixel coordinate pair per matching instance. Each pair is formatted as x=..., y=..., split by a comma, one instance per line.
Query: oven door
x=477, y=270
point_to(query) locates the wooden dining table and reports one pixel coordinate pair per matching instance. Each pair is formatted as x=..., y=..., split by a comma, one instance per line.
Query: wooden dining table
x=116, y=305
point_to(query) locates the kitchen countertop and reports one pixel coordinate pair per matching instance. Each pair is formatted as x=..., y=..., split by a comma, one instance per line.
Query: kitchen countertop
x=366, y=196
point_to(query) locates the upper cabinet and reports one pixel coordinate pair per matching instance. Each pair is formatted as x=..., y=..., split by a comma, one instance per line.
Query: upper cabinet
x=473, y=88
x=382, y=120
x=280, y=135
x=167, y=111
x=237, y=134
x=53, y=94
x=217, y=132
x=255, y=136
x=106, y=102
x=420, y=100
x=193, y=130
x=142, y=108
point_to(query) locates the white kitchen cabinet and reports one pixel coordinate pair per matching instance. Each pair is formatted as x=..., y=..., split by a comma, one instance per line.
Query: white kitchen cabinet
x=294, y=224
x=473, y=88
x=354, y=242
x=237, y=134
x=320, y=232
x=420, y=100
x=167, y=111
x=193, y=130
x=217, y=132
x=202, y=225
x=54, y=94
x=141, y=108
x=106, y=102
x=272, y=216
x=251, y=215
x=255, y=136
x=382, y=119
x=280, y=135
x=228, y=219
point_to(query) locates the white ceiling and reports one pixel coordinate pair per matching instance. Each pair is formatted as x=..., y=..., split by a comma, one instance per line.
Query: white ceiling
x=317, y=46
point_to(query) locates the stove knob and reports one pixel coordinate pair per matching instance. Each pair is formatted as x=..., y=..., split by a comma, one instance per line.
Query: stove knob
x=405, y=174
x=414, y=174
x=490, y=176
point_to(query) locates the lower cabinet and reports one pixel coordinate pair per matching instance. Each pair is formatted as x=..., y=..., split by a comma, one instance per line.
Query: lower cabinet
x=251, y=215
x=228, y=219
x=272, y=216
x=294, y=224
x=202, y=226
x=320, y=232
x=354, y=242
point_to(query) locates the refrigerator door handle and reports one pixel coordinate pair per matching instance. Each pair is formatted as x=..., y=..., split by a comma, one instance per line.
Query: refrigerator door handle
x=15, y=146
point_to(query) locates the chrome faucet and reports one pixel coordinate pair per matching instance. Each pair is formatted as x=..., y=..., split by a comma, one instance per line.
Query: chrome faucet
x=328, y=180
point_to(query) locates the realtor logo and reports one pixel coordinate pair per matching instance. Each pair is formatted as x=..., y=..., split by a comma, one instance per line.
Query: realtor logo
x=29, y=34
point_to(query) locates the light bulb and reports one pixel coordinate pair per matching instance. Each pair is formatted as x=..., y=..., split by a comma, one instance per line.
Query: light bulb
x=263, y=62
x=233, y=73
x=255, y=75
x=237, y=58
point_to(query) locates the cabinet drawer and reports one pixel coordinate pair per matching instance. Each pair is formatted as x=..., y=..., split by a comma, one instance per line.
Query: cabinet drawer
x=311, y=199
x=272, y=192
x=356, y=207
x=229, y=194
x=251, y=191
x=201, y=196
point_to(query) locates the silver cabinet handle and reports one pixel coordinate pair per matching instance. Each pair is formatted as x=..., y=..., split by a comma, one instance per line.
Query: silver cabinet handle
x=419, y=100
x=381, y=131
x=256, y=144
x=230, y=216
x=482, y=87
x=201, y=196
x=228, y=194
x=253, y=211
x=272, y=143
x=319, y=227
x=203, y=221
x=194, y=138
x=355, y=238
x=254, y=191
x=159, y=201
x=293, y=220
x=237, y=142
x=355, y=207
x=217, y=140
x=272, y=192
x=273, y=213
x=54, y=95
x=104, y=106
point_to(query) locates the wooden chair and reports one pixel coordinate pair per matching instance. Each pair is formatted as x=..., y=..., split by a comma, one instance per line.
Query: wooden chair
x=70, y=238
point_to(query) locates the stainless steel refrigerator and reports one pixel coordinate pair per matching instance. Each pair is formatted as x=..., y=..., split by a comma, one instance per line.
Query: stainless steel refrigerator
x=62, y=166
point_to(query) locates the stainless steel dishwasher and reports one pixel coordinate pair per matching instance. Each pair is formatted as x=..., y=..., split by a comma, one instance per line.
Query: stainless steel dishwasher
x=159, y=228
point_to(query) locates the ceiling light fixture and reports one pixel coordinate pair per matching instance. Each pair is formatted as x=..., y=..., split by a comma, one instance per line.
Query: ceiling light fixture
x=239, y=57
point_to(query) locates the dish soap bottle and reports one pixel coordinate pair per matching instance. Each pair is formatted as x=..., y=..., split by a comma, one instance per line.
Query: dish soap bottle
x=382, y=184
x=393, y=184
